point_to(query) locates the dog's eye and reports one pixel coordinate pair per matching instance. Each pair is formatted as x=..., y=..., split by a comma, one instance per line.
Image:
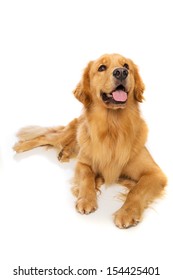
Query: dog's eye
x=126, y=66
x=102, y=68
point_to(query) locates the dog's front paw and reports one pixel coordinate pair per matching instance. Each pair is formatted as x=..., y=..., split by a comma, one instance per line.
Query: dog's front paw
x=86, y=206
x=127, y=217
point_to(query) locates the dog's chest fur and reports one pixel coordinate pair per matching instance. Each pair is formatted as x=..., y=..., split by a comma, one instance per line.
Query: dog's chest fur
x=110, y=150
x=108, y=146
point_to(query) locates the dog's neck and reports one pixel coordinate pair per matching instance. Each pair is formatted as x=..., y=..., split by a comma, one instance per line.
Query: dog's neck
x=105, y=124
x=109, y=121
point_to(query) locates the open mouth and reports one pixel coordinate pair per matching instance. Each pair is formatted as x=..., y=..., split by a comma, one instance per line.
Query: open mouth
x=117, y=96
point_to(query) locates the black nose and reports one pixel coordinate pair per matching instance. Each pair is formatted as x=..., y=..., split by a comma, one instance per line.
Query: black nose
x=120, y=73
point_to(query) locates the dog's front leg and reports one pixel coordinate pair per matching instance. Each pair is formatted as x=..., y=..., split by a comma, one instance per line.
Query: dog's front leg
x=150, y=184
x=85, y=180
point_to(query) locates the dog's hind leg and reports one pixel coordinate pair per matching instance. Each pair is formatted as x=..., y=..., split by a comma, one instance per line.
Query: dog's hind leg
x=61, y=138
x=34, y=136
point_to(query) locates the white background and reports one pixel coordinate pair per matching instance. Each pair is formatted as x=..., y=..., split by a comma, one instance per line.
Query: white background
x=44, y=46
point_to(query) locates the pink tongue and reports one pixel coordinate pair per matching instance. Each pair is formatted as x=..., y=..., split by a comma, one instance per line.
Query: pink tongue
x=119, y=95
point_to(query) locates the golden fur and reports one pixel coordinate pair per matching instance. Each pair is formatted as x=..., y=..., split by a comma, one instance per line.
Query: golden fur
x=108, y=140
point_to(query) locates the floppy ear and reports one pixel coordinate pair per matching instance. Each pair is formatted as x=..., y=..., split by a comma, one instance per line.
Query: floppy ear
x=82, y=91
x=139, y=85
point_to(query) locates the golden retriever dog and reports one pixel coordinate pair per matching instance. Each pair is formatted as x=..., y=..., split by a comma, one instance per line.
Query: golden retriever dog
x=108, y=139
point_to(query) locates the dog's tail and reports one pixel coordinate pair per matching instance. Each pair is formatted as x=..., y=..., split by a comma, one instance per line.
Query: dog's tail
x=62, y=138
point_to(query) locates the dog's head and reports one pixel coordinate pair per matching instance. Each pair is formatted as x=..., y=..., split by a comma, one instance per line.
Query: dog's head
x=112, y=81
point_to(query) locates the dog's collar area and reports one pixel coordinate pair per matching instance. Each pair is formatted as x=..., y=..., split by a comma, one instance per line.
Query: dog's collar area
x=117, y=96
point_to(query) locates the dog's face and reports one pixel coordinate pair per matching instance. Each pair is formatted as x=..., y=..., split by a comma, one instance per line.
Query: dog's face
x=111, y=81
